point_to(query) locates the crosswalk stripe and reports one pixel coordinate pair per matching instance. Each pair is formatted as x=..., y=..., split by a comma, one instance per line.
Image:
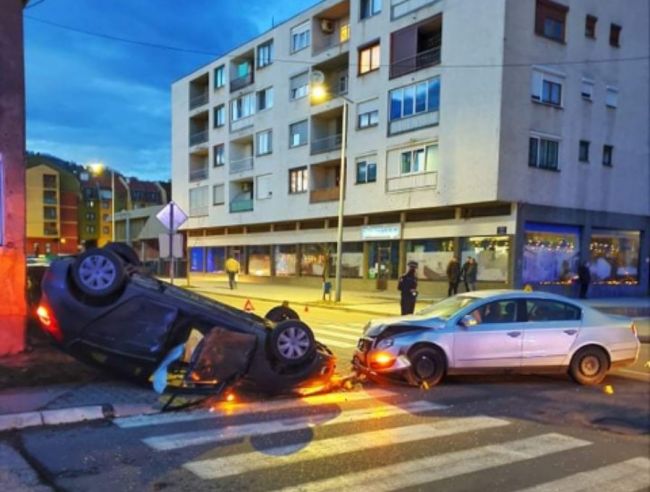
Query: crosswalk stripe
x=345, y=336
x=424, y=470
x=185, y=439
x=348, y=329
x=327, y=448
x=626, y=476
x=249, y=408
x=334, y=343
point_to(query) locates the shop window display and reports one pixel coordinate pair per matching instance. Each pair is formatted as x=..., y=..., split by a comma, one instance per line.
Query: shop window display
x=383, y=259
x=215, y=259
x=614, y=256
x=551, y=253
x=317, y=259
x=492, y=255
x=351, y=261
x=259, y=261
x=286, y=258
x=432, y=256
x=197, y=257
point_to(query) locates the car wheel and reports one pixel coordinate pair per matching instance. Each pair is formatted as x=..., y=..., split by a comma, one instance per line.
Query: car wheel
x=98, y=273
x=125, y=252
x=292, y=342
x=281, y=313
x=427, y=366
x=589, y=366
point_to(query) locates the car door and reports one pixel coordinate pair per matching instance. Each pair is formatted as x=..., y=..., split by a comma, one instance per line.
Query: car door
x=495, y=341
x=551, y=329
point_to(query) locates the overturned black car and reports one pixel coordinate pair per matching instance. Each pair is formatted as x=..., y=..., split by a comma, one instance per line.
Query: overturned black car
x=103, y=308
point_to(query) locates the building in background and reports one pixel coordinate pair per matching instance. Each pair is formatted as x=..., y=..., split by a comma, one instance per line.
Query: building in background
x=140, y=229
x=515, y=132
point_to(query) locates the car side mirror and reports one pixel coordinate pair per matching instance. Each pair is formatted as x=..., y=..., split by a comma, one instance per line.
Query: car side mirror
x=467, y=321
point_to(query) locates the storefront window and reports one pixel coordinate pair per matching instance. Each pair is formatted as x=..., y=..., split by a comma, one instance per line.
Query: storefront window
x=432, y=255
x=383, y=259
x=215, y=259
x=259, y=261
x=285, y=260
x=351, y=262
x=551, y=253
x=614, y=256
x=492, y=255
x=316, y=259
x=197, y=256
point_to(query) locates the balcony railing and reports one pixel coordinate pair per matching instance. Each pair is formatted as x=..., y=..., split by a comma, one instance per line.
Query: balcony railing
x=324, y=195
x=241, y=205
x=339, y=88
x=401, y=8
x=241, y=82
x=326, y=144
x=199, y=137
x=414, y=63
x=411, y=123
x=199, y=100
x=241, y=165
x=199, y=174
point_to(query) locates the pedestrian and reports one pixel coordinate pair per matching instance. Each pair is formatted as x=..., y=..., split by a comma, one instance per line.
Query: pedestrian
x=463, y=272
x=453, y=276
x=471, y=272
x=584, y=279
x=232, y=269
x=327, y=288
x=408, y=287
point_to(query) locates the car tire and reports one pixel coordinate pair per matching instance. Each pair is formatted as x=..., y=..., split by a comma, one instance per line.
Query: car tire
x=98, y=273
x=589, y=366
x=125, y=252
x=428, y=365
x=292, y=342
x=281, y=313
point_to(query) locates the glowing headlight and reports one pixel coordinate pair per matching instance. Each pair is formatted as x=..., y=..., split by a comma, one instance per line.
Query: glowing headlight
x=385, y=343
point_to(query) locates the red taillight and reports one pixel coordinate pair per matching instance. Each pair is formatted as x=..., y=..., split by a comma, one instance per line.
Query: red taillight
x=48, y=322
x=634, y=330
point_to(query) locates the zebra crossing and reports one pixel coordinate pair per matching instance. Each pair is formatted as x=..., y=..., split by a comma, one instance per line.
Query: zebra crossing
x=225, y=450
x=341, y=335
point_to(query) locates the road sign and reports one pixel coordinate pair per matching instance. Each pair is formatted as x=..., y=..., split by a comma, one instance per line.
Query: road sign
x=176, y=245
x=172, y=216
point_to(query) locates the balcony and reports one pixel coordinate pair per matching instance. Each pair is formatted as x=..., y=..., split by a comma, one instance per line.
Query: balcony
x=198, y=174
x=412, y=181
x=400, y=8
x=198, y=138
x=241, y=205
x=199, y=91
x=199, y=100
x=324, y=195
x=241, y=165
x=326, y=144
x=241, y=82
x=419, y=61
x=412, y=123
x=331, y=29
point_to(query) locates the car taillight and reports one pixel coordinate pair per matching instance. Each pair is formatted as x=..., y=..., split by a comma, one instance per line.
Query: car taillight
x=48, y=322
x=634, y=330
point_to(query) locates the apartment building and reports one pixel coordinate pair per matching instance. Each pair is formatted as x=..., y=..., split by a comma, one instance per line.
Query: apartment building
x=512, y=131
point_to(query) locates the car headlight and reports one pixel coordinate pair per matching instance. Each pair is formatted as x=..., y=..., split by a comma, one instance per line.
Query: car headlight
x=385, y=343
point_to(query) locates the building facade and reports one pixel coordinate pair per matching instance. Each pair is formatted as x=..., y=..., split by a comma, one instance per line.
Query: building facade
x=512, y=131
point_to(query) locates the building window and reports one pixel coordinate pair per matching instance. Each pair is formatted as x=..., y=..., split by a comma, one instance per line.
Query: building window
x=199, y=201
x=369, y=59
x=298, y=134
x=49, y=180
x=418, y=160
x=106, y=230
x=415, y=47
x=492, y=255
x=219, y=155
x=550, y=20
x=90, y=216
x=49, y=197
x=371, y=118
x=218, y=197
x=583, y=154
x=300, y=37
x=219, y=77
x=299, y=86
x=611, y=97
x=49, y=213
x=265, y=54
x=219, y=116
x=366, y=171
x=414, y=99
x=590, y=26
x=587, y=89
x=344, y=33
x=90, y=229
x=242, y=107
x=264, y=143
x=368, y=8
x=546, y=88
x=608, y=154
x=265, y=99
x=543, y=153
x=298, y=180
x=615, y=35
x=614, y=256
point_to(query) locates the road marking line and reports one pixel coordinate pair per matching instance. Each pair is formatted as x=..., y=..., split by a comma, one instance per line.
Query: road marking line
x=335, y=343
x=628, y=475
x=438, y=467
x=345, y=336
x=246, y=462
x=358, y=331
x=185, y=439
x=225, y=409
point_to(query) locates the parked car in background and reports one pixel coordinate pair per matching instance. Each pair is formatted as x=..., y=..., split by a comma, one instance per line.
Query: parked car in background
x=496, y=332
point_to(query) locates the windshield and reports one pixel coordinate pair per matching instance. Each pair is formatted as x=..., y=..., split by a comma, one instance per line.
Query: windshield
x=446, y=308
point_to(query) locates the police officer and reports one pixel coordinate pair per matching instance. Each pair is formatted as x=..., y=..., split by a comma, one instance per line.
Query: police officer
x=408, y=285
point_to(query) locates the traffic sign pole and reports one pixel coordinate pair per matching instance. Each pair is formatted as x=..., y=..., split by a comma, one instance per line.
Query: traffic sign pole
x=171, y=243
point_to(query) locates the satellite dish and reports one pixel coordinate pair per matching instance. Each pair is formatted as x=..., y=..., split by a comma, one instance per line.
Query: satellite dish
x=316, y=77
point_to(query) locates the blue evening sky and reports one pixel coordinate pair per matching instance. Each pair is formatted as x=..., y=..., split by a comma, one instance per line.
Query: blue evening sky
x=95, y=99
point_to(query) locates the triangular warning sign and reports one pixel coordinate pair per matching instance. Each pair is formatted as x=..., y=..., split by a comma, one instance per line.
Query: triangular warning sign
x=248, y=306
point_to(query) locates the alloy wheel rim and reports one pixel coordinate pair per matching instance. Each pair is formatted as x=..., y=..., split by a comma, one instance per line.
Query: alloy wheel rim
x=590, y=365
x=97, y=272
x=293, y=343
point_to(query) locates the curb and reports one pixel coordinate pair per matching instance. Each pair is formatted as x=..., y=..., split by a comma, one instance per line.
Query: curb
x=73, y=415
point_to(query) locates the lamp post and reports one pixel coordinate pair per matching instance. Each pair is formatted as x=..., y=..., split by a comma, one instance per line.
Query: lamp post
x=97, y=169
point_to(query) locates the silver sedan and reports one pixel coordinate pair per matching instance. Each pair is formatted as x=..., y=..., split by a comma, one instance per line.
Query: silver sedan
x=498, y=332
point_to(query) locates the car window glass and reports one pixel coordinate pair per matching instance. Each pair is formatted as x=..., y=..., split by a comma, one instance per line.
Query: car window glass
x=496, y=312
x=446, y=308
x=545, y=310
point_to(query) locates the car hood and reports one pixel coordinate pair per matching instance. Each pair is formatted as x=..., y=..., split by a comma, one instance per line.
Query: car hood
x=377, y=326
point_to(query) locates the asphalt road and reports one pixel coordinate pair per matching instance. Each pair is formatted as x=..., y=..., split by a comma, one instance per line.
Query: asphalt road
x=470, y=433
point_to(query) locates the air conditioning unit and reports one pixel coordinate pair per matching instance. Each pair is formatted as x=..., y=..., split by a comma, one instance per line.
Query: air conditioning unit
x=327, y=26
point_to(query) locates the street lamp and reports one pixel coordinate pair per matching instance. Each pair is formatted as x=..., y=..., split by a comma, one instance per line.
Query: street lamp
x=319, y=93
x=97, y=169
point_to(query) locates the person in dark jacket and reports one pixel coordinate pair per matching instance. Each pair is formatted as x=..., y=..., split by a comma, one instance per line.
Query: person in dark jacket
x=453, y=276
x=584, y=279
x=408, y=287
x=469, y=274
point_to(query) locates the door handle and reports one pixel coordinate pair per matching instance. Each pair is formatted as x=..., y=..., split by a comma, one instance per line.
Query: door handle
x=514, y=334
x=570, y=332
